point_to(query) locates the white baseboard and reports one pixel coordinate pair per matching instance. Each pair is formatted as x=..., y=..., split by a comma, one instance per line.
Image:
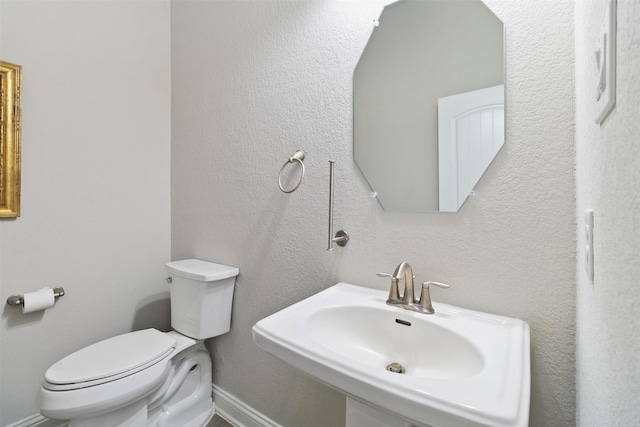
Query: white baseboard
x=237, y=412
x=36, y=420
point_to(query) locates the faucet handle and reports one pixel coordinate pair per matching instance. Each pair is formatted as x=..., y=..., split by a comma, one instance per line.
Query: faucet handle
x=425, y=304
x=438, y=284
x=394, y=294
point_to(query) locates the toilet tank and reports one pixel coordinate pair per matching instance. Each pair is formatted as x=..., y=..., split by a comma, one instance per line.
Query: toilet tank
x=201, y=297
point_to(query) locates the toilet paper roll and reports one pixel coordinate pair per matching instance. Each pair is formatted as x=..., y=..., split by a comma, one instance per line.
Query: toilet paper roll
x=38, y=300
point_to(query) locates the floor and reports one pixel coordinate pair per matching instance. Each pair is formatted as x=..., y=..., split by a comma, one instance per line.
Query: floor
x=218, y=421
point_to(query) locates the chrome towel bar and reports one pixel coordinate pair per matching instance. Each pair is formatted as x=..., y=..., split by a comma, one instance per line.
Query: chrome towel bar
x=341, y=238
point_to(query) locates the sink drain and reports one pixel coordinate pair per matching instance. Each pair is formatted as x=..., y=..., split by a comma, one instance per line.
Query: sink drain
x=396, y=368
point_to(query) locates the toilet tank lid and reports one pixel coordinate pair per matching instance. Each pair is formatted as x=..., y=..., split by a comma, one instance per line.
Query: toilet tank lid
x=203, y=271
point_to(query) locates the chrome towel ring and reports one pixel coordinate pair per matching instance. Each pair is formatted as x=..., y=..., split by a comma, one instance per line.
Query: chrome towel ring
x=298, y=156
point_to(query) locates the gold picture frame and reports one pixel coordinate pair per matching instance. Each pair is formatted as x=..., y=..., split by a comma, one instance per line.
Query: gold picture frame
x=10, y=132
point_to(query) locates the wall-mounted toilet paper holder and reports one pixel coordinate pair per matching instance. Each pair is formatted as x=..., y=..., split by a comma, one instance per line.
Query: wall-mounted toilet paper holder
x=19, y=300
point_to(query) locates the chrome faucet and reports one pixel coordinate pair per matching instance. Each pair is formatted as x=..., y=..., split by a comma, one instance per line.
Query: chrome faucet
x=405, y=271
x=407, y=300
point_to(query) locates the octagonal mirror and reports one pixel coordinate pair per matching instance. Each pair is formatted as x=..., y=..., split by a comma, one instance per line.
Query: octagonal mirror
x=429, y=103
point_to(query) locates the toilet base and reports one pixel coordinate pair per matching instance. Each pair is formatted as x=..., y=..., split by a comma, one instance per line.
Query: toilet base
x=136, y=415
x=132, y=415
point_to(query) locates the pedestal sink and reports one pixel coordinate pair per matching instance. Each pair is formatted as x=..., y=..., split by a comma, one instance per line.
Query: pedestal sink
x=454, y=368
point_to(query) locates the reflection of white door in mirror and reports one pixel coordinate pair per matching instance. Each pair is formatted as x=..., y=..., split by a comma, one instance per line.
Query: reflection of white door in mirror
x=470, y=133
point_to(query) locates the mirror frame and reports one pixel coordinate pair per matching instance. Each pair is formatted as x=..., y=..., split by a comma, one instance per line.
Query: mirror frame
x=10, y=138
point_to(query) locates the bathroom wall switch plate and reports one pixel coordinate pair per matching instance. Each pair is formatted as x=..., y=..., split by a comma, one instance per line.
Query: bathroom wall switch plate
x=588, y=243
x=605, y=59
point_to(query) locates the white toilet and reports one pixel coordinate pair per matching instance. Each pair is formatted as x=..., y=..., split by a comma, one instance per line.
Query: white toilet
x=148, y=377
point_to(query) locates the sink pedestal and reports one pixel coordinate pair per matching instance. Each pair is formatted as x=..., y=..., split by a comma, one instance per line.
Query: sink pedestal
x=361, y=415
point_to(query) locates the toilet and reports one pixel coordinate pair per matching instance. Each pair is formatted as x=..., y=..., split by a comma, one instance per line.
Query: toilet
x=149, y=377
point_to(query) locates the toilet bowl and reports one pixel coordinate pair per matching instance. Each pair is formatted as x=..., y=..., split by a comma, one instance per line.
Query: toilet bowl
x=149, y=377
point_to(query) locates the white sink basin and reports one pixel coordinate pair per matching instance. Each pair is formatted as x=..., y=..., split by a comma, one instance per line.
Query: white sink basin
x=461, y=367
x=372, y=336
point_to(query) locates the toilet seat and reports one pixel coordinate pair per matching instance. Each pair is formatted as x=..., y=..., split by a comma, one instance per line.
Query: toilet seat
x=109, y=360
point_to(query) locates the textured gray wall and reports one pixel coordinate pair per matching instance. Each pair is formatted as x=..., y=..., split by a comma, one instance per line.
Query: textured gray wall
x=608, y=179
x=253, y=81
x=95, y=181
